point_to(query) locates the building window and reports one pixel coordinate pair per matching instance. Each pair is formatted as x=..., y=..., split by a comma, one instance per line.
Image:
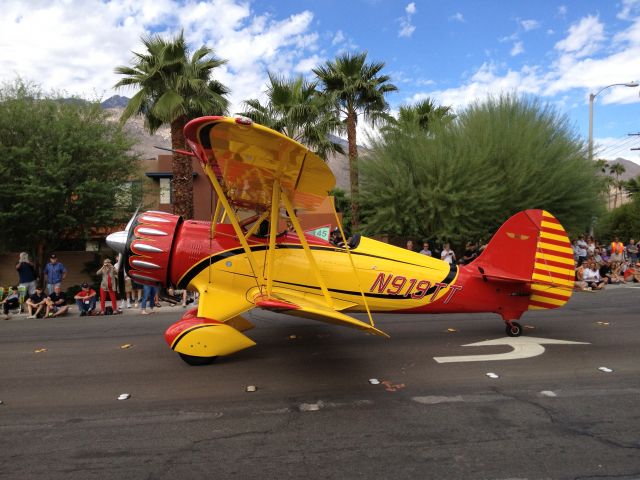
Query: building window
x=166, y=191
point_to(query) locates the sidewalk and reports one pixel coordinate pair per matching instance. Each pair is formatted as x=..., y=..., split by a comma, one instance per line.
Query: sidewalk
x=165, y=307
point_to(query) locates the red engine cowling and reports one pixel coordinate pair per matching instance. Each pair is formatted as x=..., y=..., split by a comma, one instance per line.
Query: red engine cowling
x=149, y=247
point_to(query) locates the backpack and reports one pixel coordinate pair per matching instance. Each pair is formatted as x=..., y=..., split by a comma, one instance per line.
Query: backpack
x=108, y=310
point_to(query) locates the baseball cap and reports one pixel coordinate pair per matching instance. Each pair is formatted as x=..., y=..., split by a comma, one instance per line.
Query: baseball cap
x=53, y=255
x=85, y=285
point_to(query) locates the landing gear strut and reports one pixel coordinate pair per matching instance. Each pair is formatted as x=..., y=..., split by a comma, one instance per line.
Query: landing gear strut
x=514, y=329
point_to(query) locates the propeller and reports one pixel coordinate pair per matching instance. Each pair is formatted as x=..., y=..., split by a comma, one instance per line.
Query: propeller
x=118, y=240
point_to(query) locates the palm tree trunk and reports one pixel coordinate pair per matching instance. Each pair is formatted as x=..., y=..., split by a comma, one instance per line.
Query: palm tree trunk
x=182, y=172
x=353, y=171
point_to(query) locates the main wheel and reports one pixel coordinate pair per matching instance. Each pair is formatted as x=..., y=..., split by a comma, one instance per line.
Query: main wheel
x=196, y=361
x=514, y=329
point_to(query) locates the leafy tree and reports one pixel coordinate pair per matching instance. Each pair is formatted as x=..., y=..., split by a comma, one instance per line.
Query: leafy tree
x=423, y=114
x=295, y=108
x=342, y=204
x=64, y=164
x=622, y=222
x=174, y=88
x=496, y=158
x=359, y=90
x=632, y=186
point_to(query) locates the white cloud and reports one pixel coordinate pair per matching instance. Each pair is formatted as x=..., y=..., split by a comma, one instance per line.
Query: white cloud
x=74, y=45
x=406, y=27
x=584, y=37
x=569, y=70
x=629, y=8
x=529, y=25
x=517, y=49
x=562, y=11
x=338, y=38
x=458, y=17
x=486, y=81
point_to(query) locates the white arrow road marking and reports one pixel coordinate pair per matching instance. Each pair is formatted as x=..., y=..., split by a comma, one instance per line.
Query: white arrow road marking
x=523, y=347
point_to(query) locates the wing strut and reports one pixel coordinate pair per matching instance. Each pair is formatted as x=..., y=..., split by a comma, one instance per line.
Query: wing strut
x=305, y=247
x=273, y=230
x=234, y=220
x=353, y=266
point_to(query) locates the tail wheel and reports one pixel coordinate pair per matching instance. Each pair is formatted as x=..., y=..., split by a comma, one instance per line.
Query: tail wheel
x=196, y=361
x=514, y=329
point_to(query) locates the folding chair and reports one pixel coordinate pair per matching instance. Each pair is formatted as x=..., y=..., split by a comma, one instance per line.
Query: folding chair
x=22, y=294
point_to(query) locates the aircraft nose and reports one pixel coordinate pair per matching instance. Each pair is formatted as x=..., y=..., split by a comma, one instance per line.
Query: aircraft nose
x=118, y=241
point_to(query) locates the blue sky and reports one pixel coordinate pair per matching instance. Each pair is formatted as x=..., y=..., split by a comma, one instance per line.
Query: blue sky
x=456, y=52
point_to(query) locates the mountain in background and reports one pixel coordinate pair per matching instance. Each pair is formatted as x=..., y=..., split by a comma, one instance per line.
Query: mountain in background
x=116, y=101
x=631, y=169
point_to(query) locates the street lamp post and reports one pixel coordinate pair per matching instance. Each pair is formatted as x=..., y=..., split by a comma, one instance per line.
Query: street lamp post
x=592, y=97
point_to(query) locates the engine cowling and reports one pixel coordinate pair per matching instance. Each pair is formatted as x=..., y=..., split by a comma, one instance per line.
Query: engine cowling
x=146, y=244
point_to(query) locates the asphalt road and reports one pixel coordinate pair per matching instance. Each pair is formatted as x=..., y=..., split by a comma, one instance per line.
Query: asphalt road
x=315, y=414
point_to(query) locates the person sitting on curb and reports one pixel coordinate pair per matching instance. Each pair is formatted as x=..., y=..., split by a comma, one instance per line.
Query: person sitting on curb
x=591, y=276
x=56, y=303
x=11, y=302
x=86, y=300
x=36, y=303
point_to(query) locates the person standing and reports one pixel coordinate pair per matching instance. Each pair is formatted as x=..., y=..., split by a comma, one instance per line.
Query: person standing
x=447, y=254
x=149, y=293
x=410, y=245
x=108, y=284
x=617, y=250
x=425, y=250
x=26, y=273
x=54, y=273
x=632, y=252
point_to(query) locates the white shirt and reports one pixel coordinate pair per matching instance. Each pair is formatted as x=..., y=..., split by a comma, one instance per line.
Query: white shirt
x=447, y=255
x=591, y=275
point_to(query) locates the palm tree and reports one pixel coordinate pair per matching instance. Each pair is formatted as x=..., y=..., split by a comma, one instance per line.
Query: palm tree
x=297, y=109
x=174, y=88
x=423, y=115
x=617, y=169
x=632, y=186
x=358, y=89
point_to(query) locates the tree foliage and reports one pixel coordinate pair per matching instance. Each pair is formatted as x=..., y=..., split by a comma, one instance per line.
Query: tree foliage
x=358, y=89
x=174, y=87
x=622, y=222
x=62, y=167
x=296, y=108
x=424, y=114
x=496, y=158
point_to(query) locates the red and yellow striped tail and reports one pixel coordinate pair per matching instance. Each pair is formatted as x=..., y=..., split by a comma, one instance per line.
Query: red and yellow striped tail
x=554, y=271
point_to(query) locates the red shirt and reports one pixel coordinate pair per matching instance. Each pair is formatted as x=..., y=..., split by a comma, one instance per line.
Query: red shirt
x=86, y=293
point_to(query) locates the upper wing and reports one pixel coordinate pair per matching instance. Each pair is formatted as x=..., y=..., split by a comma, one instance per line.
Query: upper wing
x=247, y=158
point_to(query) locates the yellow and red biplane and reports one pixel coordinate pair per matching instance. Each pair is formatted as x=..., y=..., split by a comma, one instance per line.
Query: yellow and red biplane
x=239, y=263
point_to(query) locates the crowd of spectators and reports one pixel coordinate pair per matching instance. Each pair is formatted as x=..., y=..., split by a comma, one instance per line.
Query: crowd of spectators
x=29, y=295
x=597, y=265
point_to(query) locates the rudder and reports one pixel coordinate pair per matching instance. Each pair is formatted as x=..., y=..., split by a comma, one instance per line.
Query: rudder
x=532, y=247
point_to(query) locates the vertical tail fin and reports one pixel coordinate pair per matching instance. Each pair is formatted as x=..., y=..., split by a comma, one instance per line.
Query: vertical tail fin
x=532, y=247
